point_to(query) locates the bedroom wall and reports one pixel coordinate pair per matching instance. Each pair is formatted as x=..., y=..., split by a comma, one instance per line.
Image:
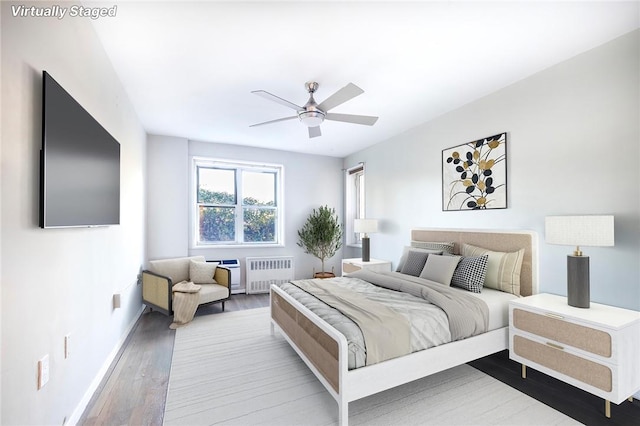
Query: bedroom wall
x=573, y=148
x=310, y=181
x=56, y=282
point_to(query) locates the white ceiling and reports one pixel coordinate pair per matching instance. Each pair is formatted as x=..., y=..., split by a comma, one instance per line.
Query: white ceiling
x=189, y=68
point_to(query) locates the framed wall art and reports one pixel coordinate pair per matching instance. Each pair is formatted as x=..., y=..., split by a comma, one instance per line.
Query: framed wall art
x=474, y=175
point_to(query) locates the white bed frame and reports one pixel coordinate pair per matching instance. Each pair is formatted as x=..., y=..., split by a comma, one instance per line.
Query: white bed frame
x=325, y=350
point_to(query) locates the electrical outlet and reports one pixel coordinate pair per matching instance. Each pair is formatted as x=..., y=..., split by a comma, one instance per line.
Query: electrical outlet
x=43, y=371
x=67, y=346
x=116, y=301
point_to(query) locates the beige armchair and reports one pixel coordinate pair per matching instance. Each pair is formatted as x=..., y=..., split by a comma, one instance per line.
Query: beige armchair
x=162, y=275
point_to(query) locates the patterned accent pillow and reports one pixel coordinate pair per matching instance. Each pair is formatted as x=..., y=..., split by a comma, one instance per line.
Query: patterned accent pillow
x=403, y=258
x=202, y=272
x=470, y=273
x=503, y=269
x=446, y=247
x=414, y=263
x=440, y=268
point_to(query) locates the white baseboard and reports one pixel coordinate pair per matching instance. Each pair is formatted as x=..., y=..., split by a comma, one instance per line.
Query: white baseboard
x=82, y=405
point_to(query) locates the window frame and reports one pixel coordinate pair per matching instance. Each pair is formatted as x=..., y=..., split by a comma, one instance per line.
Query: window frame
x=355, y=199
x=238, y=167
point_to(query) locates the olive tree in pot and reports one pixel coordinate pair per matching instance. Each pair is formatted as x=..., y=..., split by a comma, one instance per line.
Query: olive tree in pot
x=321, y=236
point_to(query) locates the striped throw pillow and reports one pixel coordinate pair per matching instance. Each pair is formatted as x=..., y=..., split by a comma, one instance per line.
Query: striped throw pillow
x=503, y=269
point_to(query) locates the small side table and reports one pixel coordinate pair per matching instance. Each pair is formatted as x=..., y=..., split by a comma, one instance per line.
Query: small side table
x=355, y=264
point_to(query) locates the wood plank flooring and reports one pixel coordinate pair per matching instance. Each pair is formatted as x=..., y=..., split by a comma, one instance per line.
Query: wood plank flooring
x=134, y=390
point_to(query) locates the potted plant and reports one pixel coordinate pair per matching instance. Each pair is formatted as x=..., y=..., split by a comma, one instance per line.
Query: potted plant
x=321, y=236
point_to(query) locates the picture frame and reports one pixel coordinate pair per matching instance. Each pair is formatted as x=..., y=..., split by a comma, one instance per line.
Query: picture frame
x=474, y=175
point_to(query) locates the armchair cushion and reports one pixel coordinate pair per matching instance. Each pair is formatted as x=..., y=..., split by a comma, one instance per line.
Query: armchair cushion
x=202, y=272
x=177, y=269
x=212, y=292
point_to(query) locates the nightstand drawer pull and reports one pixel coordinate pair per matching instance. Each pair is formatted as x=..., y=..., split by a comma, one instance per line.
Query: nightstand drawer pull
x=556, y=316
x=553, y=345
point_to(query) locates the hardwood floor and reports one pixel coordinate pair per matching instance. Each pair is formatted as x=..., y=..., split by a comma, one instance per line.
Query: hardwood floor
x=135, y=387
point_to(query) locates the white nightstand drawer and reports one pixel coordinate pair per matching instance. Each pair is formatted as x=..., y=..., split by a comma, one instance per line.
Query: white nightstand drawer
x=555, y=327
x=557, y=359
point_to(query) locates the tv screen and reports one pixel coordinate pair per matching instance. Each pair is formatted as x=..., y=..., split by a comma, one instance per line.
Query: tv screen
x=80, y=164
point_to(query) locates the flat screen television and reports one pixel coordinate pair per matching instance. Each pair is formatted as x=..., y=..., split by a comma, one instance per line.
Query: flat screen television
x=79, y=164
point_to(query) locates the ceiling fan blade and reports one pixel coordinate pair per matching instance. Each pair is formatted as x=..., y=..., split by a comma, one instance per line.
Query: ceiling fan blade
x=314, y=132
x=274, y=121
x=277, y=99
x=348, y=92
x=367, y=120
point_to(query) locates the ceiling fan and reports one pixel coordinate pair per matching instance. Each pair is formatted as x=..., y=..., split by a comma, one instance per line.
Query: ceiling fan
x=313, y=114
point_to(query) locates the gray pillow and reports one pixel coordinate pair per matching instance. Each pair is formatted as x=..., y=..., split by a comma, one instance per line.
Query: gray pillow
x=405, y=251
x=446, y=247
x=470, y=273
x=414, y=263
x=440, y=268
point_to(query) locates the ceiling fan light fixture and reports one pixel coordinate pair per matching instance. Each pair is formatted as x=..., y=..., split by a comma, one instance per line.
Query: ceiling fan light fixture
x=311, y=118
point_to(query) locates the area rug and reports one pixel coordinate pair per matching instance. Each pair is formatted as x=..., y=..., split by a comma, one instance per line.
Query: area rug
x=227, y=369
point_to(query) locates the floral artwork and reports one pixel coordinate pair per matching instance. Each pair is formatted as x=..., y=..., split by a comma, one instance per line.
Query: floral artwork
x=474, y=175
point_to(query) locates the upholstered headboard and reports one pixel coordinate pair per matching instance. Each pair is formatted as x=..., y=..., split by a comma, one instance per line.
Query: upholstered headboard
x=495, y=240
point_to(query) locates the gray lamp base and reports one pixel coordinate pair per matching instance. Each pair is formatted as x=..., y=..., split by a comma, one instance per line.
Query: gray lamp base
x=365, y=249
x=578, y=281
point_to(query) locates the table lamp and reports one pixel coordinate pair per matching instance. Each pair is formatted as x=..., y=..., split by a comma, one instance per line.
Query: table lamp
x=365, y=226
x=594, y=231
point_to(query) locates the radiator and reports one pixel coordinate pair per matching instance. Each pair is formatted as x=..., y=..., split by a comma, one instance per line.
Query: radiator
x=261, y=272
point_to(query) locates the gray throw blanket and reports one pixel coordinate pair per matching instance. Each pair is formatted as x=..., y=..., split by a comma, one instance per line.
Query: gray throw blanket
x=468, y=315
x=386, y=332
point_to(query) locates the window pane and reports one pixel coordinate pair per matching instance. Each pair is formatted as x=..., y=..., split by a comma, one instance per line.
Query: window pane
x=217, y=224
x=258, y=188
x=259, y=225
x=216, y=186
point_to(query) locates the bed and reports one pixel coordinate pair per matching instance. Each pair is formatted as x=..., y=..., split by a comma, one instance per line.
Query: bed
x=326, y=350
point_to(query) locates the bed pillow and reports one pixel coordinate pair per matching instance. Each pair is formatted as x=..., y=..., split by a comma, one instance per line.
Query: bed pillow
x=202, y=272
x=403, y=258
x=414, y=262
x=470, y=273
x=440, y=268
x=503, y=269
x=446, y=247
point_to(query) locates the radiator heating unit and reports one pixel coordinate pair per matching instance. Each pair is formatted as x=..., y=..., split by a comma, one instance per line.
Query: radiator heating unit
x=261, y=272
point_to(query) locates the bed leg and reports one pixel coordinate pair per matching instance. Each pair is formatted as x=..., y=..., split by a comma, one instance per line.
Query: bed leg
x=343, y=413
x=273, y=329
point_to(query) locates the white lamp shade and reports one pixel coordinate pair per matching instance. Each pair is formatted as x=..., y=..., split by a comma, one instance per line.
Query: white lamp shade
x=365, y=226
x=595, y=231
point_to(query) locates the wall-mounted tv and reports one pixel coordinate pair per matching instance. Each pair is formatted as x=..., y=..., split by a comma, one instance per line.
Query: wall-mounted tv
x=79, y=164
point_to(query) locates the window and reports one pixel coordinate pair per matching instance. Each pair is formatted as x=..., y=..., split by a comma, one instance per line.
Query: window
x=354, y=202
x=237, y=203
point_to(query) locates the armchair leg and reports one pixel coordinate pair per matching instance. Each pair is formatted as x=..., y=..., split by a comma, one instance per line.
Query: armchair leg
x=222, y=306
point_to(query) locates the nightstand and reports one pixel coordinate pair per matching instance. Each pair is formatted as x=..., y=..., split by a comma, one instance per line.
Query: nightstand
x=595, y=349
x=376, y=265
